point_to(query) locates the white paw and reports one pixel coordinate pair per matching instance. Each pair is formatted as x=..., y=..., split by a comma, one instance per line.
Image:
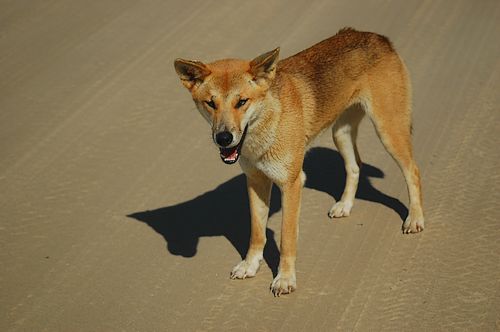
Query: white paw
x=340, y=209
x=283, y=285
x=245, y=269
x=413, y=225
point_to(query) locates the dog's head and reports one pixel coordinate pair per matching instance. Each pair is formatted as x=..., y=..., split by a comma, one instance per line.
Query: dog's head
x=228, y=94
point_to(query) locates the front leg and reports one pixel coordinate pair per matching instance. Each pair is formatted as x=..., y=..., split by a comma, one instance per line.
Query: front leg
x=285, y=282
x=259, y=194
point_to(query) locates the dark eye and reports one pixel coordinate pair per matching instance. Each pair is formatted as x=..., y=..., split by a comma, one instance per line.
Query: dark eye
x=241, y=102
x=211, y=104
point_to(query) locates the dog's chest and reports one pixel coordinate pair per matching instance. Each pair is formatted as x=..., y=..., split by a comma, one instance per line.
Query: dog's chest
x=277, y=169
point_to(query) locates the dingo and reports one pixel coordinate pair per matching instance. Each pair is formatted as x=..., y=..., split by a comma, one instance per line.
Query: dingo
x=265, y=114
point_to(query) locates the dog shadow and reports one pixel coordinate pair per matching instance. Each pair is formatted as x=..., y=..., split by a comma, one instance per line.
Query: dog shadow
x=224, y=211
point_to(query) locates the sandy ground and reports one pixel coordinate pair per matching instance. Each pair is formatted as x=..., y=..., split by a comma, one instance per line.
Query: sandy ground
x=117, y=214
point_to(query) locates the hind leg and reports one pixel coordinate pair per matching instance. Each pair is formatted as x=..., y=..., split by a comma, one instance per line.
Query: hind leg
x=392, y=120
x=344, y=132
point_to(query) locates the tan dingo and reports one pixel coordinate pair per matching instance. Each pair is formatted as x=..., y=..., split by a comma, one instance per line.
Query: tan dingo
x=265, y=114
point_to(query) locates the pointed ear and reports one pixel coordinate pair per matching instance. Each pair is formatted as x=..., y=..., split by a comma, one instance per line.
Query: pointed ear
x=264, y=66
x=190, y=72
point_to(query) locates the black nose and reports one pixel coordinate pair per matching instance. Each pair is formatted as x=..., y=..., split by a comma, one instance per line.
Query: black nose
x=224, y=138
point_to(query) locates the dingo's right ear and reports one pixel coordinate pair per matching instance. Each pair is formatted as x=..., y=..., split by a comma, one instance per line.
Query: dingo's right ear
x=190, y=72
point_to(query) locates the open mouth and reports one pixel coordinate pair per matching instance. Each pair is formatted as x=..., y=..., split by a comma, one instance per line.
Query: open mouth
x=231, y=155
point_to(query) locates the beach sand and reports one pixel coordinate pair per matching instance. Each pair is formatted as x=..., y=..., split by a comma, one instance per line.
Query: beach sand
x=116, y=212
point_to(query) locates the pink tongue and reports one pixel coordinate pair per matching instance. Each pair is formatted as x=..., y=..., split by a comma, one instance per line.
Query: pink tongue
x=231, y=154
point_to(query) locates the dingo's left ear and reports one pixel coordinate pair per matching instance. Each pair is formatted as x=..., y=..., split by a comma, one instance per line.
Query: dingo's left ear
x=191, y=72
x=264, y=66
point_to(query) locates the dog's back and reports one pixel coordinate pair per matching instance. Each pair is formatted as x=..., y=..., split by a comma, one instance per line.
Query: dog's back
x=353, y=50
x=334, y=74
